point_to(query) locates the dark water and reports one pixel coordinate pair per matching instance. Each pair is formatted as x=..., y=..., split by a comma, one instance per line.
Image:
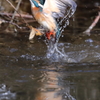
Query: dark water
x=27, y=74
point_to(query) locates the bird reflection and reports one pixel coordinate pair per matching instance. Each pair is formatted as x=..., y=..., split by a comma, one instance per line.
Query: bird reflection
x=52, y=88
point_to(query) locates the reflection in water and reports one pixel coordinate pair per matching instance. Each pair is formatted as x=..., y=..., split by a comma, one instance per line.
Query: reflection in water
x=68, y=84
x=52, y=89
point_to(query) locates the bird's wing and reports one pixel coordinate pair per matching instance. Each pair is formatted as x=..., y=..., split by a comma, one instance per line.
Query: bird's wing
x=58, y=7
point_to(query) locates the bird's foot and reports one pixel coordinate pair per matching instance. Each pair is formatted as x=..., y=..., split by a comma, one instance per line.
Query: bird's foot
x=50, y=34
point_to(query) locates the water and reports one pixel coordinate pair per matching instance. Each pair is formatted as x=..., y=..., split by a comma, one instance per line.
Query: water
x=27, y=74
x=68, y=70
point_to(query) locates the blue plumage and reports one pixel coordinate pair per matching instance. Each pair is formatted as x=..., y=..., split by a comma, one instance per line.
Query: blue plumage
x=35, y=3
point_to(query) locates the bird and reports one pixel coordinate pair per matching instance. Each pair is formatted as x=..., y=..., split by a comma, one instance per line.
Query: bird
x=47, y=11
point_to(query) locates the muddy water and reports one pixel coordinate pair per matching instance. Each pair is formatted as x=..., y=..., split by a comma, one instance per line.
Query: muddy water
x=27, y=74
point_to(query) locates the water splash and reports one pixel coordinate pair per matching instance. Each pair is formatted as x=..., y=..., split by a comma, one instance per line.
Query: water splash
x=57, y=54
x=53, y=51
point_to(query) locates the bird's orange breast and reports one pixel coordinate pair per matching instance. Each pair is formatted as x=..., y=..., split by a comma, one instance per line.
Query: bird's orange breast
x=45, y=20
x=37, y=14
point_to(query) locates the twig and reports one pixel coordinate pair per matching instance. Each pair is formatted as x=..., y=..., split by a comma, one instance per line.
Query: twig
x=16, y=15
x=12, y=24
x=92, y=25
x=19, y=14
x=34, y=31
x=28, y=21
x=17, y=7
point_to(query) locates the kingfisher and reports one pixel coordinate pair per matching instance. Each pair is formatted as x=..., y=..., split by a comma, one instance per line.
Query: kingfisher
x=46, y=13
